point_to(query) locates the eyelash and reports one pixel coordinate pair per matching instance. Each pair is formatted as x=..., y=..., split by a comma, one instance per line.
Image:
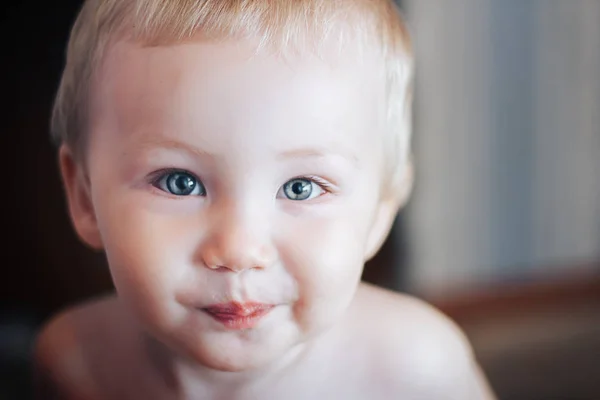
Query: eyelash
x=156, y=177
x=323, y=184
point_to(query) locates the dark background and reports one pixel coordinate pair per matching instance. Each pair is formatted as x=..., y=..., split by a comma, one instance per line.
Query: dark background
x=45, y=268
x=41, y=245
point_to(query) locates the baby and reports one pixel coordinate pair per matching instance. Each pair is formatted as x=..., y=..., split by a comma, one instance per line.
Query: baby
x=238, y=162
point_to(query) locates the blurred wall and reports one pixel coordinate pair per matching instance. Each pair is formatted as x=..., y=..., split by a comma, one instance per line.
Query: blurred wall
x=507, y=140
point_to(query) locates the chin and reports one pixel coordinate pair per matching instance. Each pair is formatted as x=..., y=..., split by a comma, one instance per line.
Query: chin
x=233, y=365
x=233, y=351
x=227, y=360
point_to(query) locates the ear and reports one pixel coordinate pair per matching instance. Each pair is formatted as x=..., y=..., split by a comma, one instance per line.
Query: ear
x=386, y=212
x=79, y=200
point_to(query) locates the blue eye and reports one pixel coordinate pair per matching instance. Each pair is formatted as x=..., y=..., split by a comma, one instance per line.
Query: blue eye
x=181, y=184
x=301, y=189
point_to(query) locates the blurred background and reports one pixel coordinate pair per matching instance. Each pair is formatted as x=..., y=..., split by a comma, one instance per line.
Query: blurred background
x=502, y=232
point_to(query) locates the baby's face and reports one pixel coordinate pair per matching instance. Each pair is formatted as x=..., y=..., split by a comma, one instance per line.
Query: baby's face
x=235, y=194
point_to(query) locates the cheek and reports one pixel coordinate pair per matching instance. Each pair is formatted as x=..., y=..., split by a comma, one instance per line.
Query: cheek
x=146, y=255
x=325, y=258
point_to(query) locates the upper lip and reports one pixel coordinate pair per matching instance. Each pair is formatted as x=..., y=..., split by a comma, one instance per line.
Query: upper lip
x=237, y=309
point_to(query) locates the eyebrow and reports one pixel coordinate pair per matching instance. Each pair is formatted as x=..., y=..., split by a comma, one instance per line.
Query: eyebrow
x=316, y=153
x=173, y=145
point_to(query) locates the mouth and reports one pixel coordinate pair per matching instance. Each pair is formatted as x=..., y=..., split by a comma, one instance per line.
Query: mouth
x=238, y=316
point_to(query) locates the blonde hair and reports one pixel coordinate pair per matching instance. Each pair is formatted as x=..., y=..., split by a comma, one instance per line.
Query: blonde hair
x=277, y=23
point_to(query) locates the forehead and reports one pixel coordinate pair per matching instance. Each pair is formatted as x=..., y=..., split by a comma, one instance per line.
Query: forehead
x=200, y=89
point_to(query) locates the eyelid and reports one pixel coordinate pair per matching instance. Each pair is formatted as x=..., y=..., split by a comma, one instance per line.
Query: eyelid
x=324, y=184
x=156, y=177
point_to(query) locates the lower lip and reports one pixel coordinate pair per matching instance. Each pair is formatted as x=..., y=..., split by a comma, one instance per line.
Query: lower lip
x=239, y=322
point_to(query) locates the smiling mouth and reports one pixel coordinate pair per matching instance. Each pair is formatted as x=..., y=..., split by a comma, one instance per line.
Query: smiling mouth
x=238, y=316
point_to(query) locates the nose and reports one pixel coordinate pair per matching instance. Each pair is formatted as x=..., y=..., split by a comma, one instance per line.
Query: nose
x=237, y=240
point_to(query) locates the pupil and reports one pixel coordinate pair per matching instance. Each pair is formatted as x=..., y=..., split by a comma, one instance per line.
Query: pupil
x=184, y=183
x=298, y=187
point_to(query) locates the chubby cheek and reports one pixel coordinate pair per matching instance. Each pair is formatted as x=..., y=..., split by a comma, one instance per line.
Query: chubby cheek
x=146, y=256
x=326, y=260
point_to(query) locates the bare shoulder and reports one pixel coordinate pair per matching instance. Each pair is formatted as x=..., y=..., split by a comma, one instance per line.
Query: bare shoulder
x=416, y=346
x=67, y=343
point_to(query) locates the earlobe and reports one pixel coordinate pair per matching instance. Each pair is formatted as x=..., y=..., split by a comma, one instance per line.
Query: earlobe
x=387, y=210
x=79, y=199
x=406, y=184
x=381, y=227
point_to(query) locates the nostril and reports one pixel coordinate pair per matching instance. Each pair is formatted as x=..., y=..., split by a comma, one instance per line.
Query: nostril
x=221, y=268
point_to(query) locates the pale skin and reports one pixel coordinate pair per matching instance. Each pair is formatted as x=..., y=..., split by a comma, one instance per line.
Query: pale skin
x=240, y=128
